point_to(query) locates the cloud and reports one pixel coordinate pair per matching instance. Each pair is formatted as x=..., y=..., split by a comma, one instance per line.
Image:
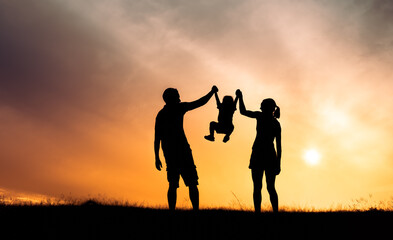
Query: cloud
x=377, y=28
x=368, y=24
x=63, y=83
x=54, y=64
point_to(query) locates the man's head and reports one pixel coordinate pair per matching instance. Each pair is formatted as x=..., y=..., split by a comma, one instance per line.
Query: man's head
x=171, y=96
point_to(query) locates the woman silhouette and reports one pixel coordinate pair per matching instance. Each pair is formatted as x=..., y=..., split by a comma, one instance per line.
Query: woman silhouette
x=264, y=157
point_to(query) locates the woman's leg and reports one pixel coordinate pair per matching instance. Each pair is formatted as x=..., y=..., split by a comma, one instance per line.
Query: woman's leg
x=270, y=181
x=257, y=176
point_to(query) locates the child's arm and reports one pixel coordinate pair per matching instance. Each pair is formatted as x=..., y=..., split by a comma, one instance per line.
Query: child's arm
x=217, y=100
x=236, y=99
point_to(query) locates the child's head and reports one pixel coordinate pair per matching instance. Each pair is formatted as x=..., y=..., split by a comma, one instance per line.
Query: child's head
x=171, y=96
x=227, y=101
x=269, y=106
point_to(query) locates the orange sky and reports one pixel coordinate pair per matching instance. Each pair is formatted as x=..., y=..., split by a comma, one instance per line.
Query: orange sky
x=81, y=84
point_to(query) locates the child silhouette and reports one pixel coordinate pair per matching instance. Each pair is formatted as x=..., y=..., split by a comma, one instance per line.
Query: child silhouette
x=225, y=115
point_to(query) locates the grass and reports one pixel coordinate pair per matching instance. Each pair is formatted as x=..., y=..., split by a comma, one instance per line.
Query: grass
x=92, y=220
x=358, y=205
x=103, y=218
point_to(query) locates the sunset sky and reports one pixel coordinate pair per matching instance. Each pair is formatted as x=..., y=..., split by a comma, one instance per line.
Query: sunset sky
x=81, y=83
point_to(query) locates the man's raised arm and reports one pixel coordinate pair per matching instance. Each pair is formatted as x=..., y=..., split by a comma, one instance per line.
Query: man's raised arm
x=203, y=100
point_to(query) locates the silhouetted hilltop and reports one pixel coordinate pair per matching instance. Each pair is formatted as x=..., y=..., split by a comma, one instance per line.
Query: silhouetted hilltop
x=95, y=221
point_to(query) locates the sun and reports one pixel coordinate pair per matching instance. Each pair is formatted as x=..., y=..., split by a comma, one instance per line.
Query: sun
x=312, y=157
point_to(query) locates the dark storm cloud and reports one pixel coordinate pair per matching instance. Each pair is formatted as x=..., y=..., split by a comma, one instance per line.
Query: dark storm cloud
x=52, y=62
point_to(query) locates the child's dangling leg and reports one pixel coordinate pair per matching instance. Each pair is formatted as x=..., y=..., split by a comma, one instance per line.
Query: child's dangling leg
x=228, y=133
x=211, y=129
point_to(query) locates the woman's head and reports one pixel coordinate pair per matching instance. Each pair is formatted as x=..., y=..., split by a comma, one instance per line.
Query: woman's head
x=269, y=106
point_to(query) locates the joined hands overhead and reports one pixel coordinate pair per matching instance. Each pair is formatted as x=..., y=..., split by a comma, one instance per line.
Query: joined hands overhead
x=239, y=93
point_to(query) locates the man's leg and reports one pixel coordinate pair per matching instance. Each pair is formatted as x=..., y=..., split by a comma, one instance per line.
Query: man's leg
x=194, y=196
x=172, y=196
x=173, y=176
x=190, y=177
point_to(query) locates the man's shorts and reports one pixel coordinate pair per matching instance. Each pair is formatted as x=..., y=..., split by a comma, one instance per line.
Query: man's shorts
x=181, y=163
x=189, y=175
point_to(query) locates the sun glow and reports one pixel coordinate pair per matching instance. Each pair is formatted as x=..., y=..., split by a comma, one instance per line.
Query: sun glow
x=312, y=157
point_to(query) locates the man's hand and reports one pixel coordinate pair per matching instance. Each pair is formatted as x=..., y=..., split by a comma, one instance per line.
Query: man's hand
x=239, y=93
x=278, y=170
x=214, y=89
x=158, y=164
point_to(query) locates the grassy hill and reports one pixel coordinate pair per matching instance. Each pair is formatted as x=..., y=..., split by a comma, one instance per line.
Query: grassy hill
x=94, y=221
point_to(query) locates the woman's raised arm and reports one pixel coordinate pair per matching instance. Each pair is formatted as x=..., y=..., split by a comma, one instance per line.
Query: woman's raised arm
x=242, y=107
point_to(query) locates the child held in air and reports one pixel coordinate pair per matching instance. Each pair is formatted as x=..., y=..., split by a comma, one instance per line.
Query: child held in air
x=225, y=116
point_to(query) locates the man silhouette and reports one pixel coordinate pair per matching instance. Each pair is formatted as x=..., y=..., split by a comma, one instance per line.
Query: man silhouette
x=169, y=132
